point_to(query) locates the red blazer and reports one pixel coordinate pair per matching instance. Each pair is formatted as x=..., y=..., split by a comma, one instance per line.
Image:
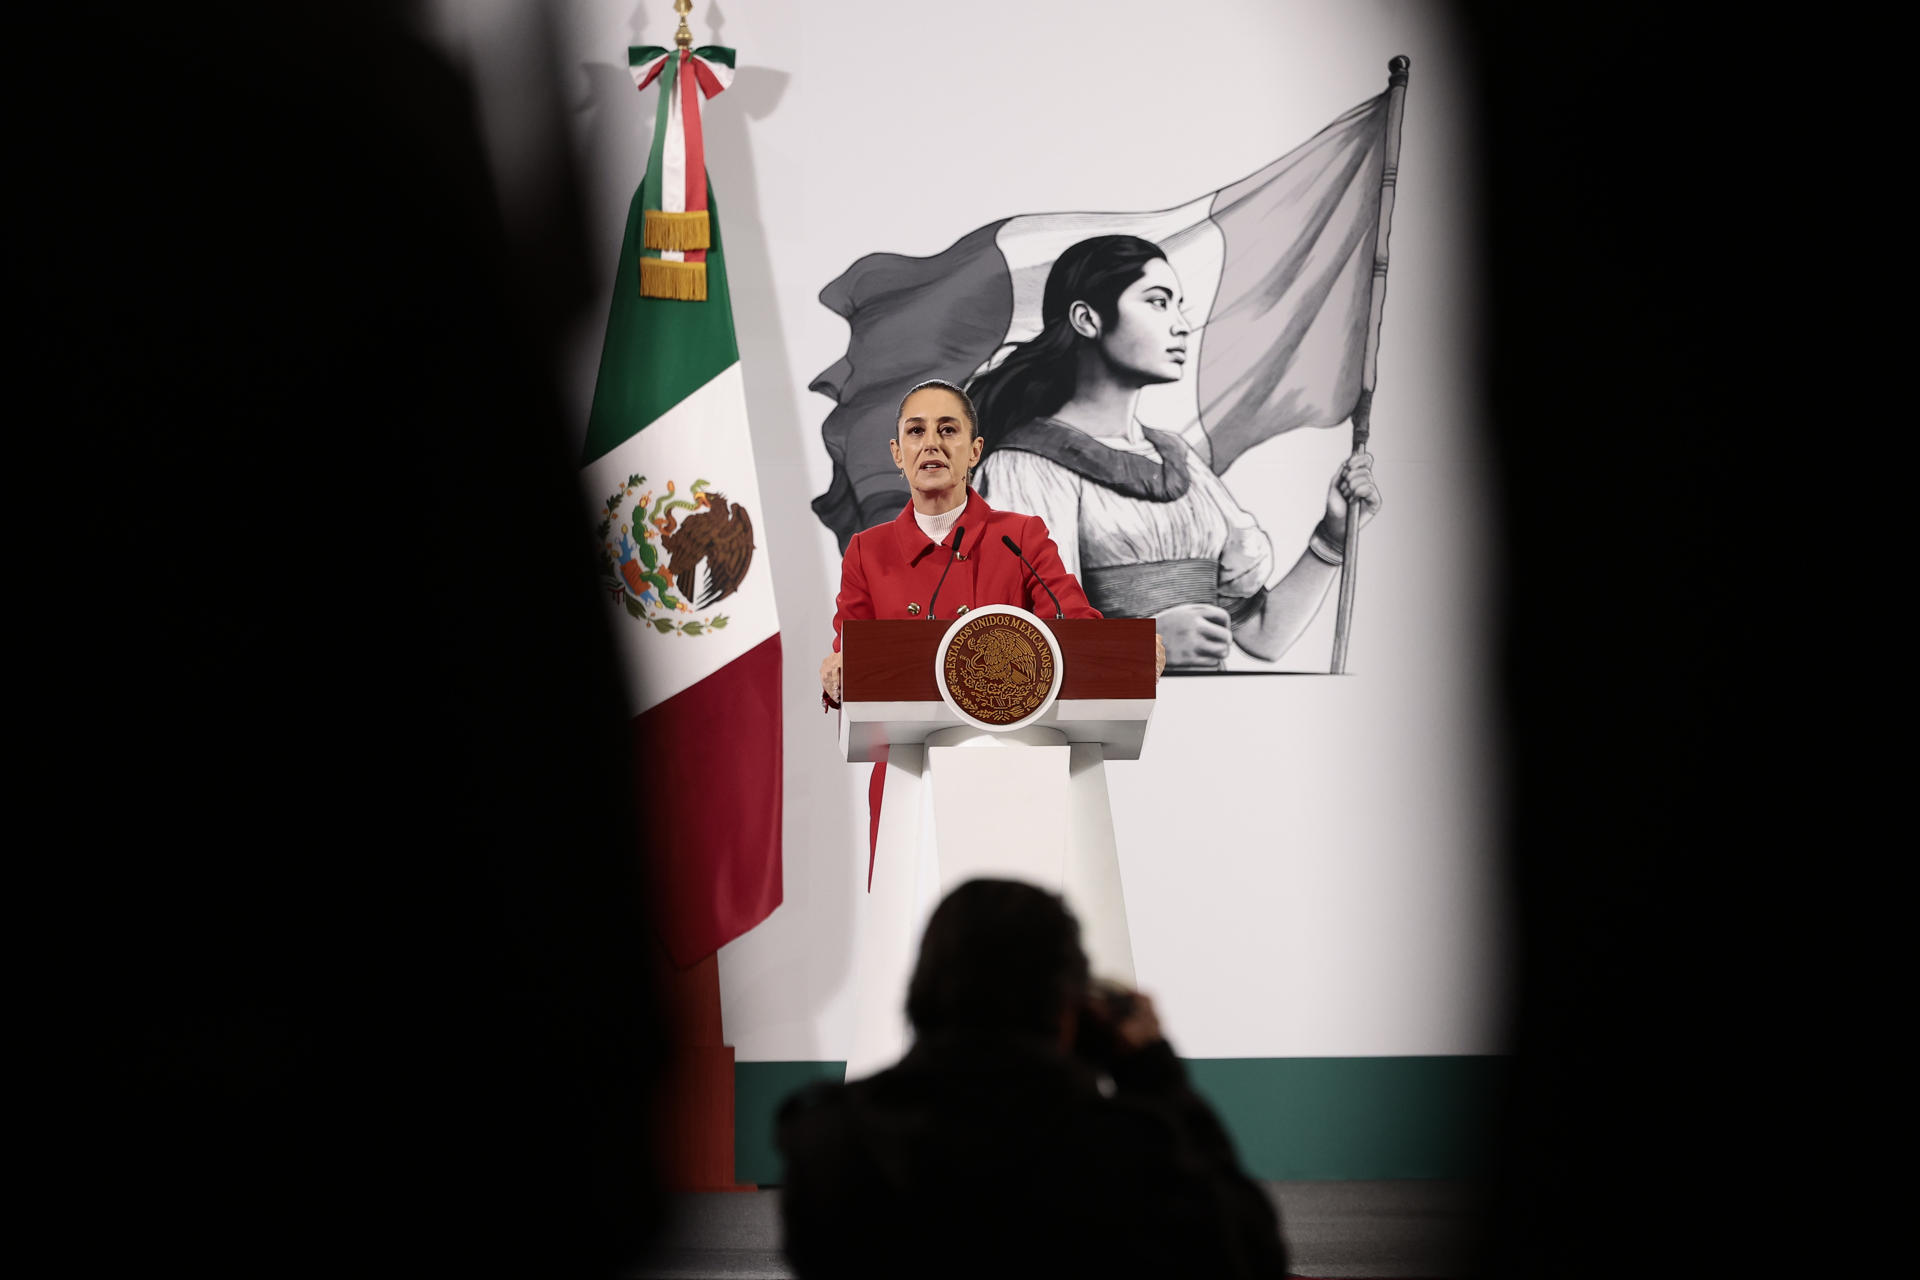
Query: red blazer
x=891, y=570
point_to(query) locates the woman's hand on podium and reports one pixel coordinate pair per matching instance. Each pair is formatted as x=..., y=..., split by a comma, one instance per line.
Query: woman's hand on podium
x=830, y=679
x=1159, y=655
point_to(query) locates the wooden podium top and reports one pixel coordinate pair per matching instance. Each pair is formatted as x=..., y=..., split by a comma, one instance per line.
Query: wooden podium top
x=890, y=694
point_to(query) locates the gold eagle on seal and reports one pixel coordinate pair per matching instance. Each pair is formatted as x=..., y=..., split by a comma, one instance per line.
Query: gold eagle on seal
x=998, y=669
x=1000, y=660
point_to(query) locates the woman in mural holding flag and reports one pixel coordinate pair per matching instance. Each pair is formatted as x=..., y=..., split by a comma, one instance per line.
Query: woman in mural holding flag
x=1159, y=535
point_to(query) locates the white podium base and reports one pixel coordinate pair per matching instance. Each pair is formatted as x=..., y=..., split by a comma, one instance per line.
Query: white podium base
x=1026, y=805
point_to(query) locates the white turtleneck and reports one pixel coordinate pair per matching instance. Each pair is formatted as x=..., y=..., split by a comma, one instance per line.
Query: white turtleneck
x=936, y=527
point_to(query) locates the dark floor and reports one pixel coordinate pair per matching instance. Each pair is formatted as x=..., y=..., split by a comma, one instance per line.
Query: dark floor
x=1334, y=1229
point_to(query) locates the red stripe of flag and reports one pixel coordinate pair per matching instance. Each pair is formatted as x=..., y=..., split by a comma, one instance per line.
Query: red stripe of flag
x=690, y=86
x=709, y=798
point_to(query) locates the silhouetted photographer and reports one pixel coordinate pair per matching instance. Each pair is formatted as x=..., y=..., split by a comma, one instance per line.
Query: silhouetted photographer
x=1040, y=1125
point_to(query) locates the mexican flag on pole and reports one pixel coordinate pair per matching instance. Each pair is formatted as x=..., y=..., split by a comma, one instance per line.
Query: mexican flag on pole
x=682, y=547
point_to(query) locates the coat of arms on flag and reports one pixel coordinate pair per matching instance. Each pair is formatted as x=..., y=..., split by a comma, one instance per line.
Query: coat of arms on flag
x=1251, y=311
x=654, y=553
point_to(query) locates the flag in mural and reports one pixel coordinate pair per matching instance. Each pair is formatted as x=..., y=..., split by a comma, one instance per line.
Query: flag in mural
x=670, y=462
x=1278, y=275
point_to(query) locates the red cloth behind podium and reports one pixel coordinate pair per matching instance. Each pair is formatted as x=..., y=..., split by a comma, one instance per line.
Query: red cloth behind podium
x=891, y=571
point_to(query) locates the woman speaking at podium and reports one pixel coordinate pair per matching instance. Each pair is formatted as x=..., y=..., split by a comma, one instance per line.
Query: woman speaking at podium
x=945, y=554
x=946, y=540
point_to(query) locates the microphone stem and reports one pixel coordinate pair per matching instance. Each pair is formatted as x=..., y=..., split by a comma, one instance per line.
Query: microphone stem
x=953, y=552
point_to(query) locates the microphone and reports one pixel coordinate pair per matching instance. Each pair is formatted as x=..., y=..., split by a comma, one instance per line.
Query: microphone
x=1058, y=612
x=959, y=532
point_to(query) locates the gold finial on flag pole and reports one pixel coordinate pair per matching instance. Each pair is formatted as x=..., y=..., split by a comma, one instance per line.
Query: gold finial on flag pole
x=684, y=36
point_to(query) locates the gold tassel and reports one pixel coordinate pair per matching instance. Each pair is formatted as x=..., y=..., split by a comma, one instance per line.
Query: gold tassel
x=664, y=230
x=665, y=278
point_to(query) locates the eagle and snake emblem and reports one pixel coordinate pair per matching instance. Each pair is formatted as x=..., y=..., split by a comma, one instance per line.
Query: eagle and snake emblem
x=999, y=669
x=665, y=566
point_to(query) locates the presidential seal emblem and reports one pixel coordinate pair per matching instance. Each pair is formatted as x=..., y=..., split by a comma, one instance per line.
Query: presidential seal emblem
x=666, y=568
x=998, y=667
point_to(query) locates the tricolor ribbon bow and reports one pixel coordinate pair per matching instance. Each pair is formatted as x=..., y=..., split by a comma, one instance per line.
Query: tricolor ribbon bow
x=673, y=195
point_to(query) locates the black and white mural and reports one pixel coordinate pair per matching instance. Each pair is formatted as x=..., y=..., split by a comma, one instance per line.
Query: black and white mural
x=1122, y=363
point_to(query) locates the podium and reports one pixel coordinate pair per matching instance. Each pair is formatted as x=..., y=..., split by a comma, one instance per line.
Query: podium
x=988, y=776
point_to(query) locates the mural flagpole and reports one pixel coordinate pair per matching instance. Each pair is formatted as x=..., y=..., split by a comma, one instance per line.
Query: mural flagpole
x=1363, y=408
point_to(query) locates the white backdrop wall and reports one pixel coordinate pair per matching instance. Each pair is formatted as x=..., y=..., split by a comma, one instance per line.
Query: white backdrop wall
x=1311, y=865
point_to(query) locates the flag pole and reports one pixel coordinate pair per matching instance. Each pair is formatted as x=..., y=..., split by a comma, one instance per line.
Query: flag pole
x=1363, y=408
